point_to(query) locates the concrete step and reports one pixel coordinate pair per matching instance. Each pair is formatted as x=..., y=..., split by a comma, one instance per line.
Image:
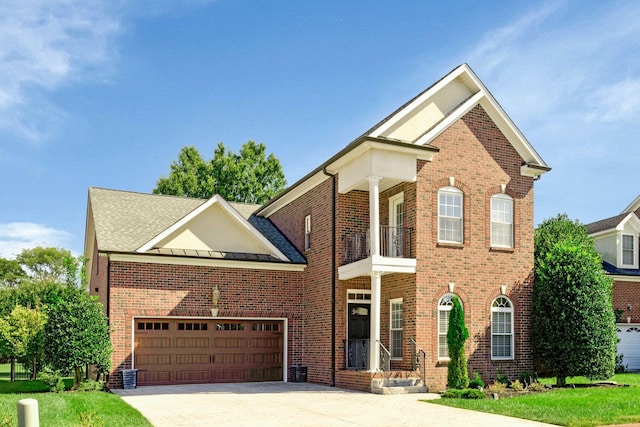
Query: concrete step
x=398, y=386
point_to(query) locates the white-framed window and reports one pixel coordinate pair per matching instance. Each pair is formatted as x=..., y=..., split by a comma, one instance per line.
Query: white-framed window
x=628, y=249
x=444, y=308
x=501, y=329
x=450, y=226
x=396, y=224
x=501, y=221
x=395, y=328
x=307, y=232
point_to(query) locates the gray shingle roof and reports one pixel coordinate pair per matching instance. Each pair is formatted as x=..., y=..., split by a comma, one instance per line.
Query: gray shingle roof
x=124, y=221
x=605, y=224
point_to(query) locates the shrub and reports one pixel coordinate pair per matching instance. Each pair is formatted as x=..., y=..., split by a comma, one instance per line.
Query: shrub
x=91, y=385
x=497, y=387
x=457, y=334
x=90, y=419
x=52, y=379
x=517, y=385
x=466, y=393
x=536, y=386
x=476, y=382
x=620, y=368
x=502, y=378
x=526, y=378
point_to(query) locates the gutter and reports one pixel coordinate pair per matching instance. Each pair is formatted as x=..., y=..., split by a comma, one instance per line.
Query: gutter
x=333, y=275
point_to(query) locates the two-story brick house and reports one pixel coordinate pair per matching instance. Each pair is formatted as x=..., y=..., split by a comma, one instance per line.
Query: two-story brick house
x=349, y=271
x=617, y=239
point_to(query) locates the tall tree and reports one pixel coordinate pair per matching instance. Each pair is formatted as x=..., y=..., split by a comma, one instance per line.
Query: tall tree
x=457, y=334
x=249, y=176
x=77, y=334
x=22, y=336
x=10, y=272
x=573, y=328
x=49, y=265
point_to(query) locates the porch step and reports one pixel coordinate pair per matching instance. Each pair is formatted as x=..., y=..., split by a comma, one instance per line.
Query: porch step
x=398, y=386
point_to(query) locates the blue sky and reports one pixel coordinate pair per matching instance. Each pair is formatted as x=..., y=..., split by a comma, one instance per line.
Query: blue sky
x=105, y=93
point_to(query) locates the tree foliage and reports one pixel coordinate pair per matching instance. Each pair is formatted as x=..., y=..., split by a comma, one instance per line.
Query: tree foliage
x=48, y=264
x=22, y=335
x=77, y=334
x=457, y=334
x=11, y=272
x=248, y=177
x=573, y=320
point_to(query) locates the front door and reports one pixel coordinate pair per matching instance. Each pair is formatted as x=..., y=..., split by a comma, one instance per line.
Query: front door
x=358, y=335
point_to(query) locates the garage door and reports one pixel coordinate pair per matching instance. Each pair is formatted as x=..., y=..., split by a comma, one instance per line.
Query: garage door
x=187, y=351
x=629, y=345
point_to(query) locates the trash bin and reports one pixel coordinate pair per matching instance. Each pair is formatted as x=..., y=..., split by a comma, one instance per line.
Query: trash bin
x=298, y=374
x=129, y=378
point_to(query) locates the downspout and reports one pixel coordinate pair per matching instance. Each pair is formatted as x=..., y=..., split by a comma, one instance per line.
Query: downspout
x=333, y=276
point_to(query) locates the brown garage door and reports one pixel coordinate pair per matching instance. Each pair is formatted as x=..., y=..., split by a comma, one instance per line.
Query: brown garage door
x=186, y=351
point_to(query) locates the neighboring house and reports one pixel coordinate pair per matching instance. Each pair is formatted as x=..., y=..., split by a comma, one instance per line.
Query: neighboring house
x=616, y=239
x=349, y=271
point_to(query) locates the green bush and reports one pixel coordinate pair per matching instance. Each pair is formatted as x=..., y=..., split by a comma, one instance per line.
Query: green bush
x=476, y=382
x=52, y=379
x=91, y=385
x=497, y=387
x=6, y=420
x=465, y=393
x=90, y=419
x=457, y=334
x=502, y=378
x=526, y=378
x=517, y=385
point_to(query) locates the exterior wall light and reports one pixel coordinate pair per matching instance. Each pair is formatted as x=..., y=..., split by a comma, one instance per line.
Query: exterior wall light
x=215, y=297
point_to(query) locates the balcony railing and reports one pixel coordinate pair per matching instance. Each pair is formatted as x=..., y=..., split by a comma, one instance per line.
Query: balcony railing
x=395, y=242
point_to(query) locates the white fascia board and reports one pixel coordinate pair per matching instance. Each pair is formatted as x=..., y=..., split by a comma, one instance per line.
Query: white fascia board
x=229, y=210
x=620, y=278
x=633, y=206
x=206, y=262
x=632, y=220
x=288, y=197
x=419, y=100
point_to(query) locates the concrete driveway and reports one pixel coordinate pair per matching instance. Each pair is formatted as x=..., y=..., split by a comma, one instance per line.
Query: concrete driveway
x=300, y=404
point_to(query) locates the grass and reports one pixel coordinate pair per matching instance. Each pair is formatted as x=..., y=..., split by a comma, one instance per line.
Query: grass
x=67, y=409
x=574, y=407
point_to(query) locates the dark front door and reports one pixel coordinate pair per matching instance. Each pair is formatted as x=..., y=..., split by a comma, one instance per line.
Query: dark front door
x=358, y=336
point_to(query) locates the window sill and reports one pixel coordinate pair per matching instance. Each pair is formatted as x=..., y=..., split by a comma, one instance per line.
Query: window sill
x=500, y=249
x=450, y=245
x=503, y=359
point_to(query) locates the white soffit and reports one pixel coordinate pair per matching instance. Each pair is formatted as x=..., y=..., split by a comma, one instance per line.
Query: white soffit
x=248, y=238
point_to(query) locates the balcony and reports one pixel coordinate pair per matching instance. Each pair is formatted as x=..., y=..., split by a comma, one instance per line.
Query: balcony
x=395, y=242
x=396, y=253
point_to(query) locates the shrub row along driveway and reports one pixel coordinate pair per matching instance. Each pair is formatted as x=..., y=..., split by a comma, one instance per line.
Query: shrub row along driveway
x=301, y=404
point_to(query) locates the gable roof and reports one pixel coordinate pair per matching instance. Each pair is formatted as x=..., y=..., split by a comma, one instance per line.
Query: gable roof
x=633, y=206
x=138, y=223
x=415, y=125
x=614, y=223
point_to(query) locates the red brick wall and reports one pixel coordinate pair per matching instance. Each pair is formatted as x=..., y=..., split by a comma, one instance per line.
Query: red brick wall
x=139, y=289
x=317, y=296
x=625, y=293
x=480, y=158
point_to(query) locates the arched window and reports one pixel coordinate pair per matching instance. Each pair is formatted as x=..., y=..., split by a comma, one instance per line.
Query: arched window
x=444, y=308
x=450, y=227
x=502, y=328
x=501, y=221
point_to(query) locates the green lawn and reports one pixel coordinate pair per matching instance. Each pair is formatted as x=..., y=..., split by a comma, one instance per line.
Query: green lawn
x=66, y=409
x=581, y=406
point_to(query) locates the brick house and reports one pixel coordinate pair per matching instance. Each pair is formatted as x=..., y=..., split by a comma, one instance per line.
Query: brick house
x=616, y=239
x=349, y=272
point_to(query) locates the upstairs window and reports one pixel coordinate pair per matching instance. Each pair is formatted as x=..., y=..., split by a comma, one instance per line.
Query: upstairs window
x=307, y=232
x=628, y=249
x=450, y=227
x=502, y=221
x=396, y=328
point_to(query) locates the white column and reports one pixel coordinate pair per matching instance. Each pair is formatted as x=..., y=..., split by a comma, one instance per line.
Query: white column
x=374, y=233
x=374, y=348
x=374, y=214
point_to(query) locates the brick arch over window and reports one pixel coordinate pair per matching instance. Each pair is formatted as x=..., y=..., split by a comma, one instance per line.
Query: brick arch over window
x=461, y=186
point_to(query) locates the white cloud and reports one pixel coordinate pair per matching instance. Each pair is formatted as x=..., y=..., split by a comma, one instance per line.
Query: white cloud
x=16, y=236
x=44, y=45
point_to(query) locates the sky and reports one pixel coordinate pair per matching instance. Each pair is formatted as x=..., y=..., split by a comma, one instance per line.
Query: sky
x=105, y=93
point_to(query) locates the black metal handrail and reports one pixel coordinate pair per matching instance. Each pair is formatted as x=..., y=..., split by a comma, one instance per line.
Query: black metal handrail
x=396, y=242
x=418, y=360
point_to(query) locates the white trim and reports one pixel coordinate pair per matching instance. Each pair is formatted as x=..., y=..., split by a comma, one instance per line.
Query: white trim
x=285, y=340
x=206, y=262
x=229, y=210
x=509, y=310
x=391, y=329
x=457, y=192
x=620, y=278
x=503, y=197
